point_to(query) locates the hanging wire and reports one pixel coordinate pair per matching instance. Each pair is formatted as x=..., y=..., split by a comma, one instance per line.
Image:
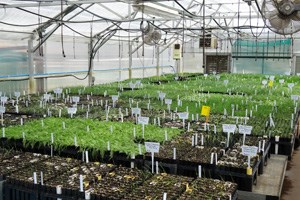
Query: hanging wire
x=251, y=27
x=40, y=38
x=143, y=33
x=256, y=51
x=62, y=30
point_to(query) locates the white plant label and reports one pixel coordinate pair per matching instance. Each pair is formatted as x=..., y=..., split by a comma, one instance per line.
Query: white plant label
x=218, y=77
x=115, y=97
x=281, y=81
x=2, y=109
x=264, y=82
x=229, y=128
x=3, y=99
x=17, y=94
x=132, y=85
x=226, y=82
x=46, y=97
x=75, y=99
x=272, y=78
x=138, y=82
x=245, y=129
x=57, y=90
x=143, y=120
x=72, y=110
x=152, y=147
x=295, y=97
x=161, y=95
x=135, y=111
x=291, y=85
x=168, y=101
x=183, y=115
x=249, y=150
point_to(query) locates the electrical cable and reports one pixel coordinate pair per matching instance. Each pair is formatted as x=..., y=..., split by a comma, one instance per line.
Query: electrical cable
x=250, y=18
x=79, y=22
x=184, y=8
x=76, y=31
x=40, y=38
x=62, y=30
x=19, y=25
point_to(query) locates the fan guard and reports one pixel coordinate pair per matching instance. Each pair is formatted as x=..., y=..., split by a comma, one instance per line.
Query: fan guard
x=282, y=16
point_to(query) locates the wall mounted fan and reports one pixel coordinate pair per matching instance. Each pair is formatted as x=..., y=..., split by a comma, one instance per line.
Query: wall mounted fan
x=282, y=16
x=151, y=36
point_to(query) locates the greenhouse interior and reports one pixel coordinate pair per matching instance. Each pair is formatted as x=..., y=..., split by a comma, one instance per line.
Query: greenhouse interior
x=145, y=99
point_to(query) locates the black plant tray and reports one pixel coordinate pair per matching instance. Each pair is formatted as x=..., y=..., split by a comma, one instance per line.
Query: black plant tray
x=50, y=196
x=160, y=82
x=285, y=146
x=128, y=89
x=49, y=193
x=17, y=192
x=70, y=152
x=265, y=155
x=164, y=167
x=161, y=160
x=188, y=168
x=238, y=175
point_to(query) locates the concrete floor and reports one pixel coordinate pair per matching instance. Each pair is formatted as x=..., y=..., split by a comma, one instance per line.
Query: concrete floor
x=270, y=182
x=291, y=184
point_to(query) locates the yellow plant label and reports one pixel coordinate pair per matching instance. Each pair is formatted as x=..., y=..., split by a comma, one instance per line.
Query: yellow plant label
x=271, y=83
x=205, y=111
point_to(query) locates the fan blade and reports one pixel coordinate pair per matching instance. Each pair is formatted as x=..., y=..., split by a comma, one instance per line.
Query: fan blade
x=148, y=40
x=271, y=14
x=296, y=16
x=279, y=23
x=156, y=36
x=296, y=26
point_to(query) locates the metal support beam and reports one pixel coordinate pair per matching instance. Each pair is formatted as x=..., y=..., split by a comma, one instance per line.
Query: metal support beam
x=44, y=38
x=111, y=34
x=157, y=60
x=129, y=46
x=56, y=18
x=111, y=10
x=31, y=65
x=90, y=64
x=47, y=24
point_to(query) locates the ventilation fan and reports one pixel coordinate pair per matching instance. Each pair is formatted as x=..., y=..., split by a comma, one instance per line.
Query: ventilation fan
x=282, y=16
x=151, y=36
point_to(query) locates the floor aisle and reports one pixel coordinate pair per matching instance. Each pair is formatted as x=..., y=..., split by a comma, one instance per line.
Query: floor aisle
x=291, y=184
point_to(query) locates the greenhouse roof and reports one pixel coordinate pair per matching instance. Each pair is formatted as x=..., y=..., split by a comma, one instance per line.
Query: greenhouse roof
x=115, y=19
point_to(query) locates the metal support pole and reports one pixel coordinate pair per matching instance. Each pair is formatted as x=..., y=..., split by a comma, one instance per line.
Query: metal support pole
x=129, y=46
x=130, y=60
x=157, y=61
x=204, y=58
x=120, y=59
x=91, y=64
x=31, y=88
x=178, y=66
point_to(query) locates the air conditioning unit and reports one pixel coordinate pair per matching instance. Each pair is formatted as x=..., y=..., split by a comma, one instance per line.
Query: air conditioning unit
x=177, y=52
